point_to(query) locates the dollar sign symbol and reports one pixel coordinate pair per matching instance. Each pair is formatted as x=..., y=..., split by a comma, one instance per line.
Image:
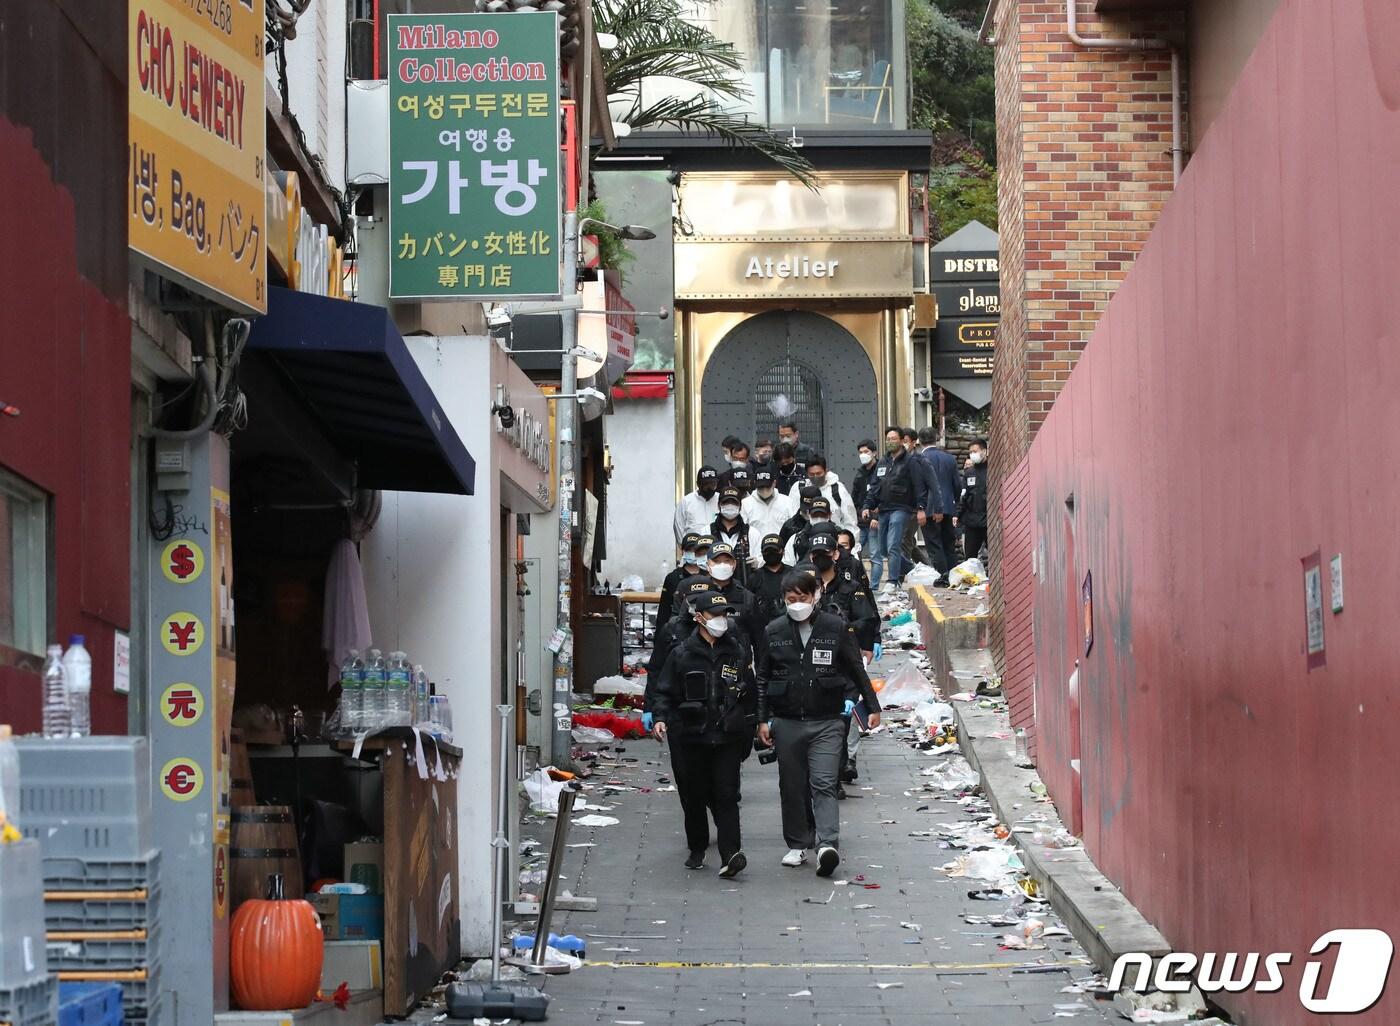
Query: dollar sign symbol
x=182, y=561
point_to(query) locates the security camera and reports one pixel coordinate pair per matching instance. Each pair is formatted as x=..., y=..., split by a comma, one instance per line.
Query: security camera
x=926, y=394
x=585, y=394
x=498, y=318
x=505, y=414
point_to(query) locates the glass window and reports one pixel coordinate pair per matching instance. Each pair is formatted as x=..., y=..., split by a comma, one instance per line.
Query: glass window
x=24, y=565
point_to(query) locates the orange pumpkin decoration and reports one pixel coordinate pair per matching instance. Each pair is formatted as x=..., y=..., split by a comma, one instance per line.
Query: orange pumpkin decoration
x=275, y=952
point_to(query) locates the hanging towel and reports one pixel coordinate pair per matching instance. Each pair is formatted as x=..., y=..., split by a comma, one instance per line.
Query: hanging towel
x=346, y=623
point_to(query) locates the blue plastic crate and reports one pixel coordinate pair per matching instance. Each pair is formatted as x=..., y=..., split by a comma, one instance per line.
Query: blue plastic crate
x=89, y=1004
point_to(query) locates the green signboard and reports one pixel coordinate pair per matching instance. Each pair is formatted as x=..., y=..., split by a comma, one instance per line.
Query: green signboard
x=474, y=186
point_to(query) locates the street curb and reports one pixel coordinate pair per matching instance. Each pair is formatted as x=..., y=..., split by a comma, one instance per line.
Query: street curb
x=943, y=635
x=1101, y=918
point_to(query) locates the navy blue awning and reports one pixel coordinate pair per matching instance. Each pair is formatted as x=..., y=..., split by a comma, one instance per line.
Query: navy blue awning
x=349, y=364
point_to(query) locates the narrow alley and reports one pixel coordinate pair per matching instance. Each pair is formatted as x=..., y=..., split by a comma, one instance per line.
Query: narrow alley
x=891, y=938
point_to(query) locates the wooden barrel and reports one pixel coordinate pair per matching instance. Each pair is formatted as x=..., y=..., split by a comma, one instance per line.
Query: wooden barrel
x=240, y=785
x=263, y=842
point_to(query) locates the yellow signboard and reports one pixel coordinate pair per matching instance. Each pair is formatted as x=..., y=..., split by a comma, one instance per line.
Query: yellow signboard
x=196, y=206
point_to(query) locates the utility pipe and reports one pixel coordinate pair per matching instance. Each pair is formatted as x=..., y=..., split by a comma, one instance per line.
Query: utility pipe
x=1101, y=43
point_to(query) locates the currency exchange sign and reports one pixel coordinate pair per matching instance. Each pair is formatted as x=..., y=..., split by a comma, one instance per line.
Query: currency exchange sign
x=474, y=189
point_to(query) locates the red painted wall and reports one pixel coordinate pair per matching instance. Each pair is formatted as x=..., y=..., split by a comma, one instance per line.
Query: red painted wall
x=65, y=340
x=1242, y=800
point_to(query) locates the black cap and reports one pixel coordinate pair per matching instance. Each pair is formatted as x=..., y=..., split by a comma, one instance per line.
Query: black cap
x=730, y=493
x=821, y=505
x=713, y=603
x=721, y=549
x=809, y=492
x=763, y=475
x=688, y=542
x=741, y=476
x=823, y=540
x=704, y=542
x=697, y=585
x=707, y=473
x=771, y=541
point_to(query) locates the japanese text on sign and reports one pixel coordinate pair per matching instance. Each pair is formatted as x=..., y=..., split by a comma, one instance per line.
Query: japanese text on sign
x=474, y=156
x=196, y=207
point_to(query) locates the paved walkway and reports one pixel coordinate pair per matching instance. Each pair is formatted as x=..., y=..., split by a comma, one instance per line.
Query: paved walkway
x=669, y=946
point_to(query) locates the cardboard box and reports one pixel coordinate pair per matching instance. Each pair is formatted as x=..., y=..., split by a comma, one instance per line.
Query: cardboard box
x=349, y=916
x=356, y=963
x=364, y=864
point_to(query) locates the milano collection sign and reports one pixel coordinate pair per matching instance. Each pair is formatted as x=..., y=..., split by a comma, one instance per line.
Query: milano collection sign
x=474, y=189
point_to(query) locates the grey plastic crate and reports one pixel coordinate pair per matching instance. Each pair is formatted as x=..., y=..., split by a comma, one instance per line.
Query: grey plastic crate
x=139, y=996
x=72, y=873
x=101, y=914
x=32, y=1005
x=86, y=796
x=102, y=955
x=21, y=916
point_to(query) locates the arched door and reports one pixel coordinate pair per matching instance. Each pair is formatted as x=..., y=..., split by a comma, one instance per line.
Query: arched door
x=809, y=360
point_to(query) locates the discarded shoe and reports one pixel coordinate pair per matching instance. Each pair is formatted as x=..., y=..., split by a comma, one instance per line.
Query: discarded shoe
x=794, y=858
x=827, y=861
x=737, y=864
x=988, y=690
x=696, y=860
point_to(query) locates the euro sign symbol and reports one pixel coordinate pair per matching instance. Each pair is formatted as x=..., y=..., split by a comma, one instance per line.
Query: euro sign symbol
x=182, y=561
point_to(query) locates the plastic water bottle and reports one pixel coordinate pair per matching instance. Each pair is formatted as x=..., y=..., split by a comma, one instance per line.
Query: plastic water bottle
x=77, y=672
x=400, y=689
x=9, y=778
x=352, y=693
x=422, y=690
x=372, y=696
x=58, y=718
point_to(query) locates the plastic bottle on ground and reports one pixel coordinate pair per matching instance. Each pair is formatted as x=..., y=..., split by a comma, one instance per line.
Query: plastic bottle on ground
x=397, y=692
x=352, y=693
x=77, y=672
x=372, y=697
x=58, y=717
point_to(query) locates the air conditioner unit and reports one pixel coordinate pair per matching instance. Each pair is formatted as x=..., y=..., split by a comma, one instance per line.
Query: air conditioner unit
x=367, y=132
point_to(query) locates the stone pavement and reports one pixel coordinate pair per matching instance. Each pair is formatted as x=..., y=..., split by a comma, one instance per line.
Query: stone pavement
x=669, y=946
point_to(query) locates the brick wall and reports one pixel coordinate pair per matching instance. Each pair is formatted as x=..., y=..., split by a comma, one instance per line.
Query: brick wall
x=1084, y=156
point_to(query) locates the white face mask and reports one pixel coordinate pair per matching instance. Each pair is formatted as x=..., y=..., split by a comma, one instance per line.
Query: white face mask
x=729, y=511
x=800, y=611
x=867, y=458
x=717, y=627
x=722, y=571
x=738, y=463
x=976, y=457
x=819, y=519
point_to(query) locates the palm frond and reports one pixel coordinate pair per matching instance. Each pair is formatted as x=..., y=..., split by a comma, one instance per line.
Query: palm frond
x=703, y=115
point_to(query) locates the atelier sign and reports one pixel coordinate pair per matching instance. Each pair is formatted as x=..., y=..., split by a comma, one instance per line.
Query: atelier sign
x=806, y=268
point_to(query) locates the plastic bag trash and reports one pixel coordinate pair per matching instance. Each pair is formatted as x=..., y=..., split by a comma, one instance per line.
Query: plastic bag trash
x=969, y=571
x=593, y=736
x=618, y=685
x=596, y=821
x=907, y=633
x=980, y=865
x=928, y=714
x=542, y=791
x=906, y=686
x=632, y=582
x=951, y=774
x=922, y=576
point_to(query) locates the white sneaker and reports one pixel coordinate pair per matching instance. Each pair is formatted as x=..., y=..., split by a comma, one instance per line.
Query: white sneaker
x=794, y=858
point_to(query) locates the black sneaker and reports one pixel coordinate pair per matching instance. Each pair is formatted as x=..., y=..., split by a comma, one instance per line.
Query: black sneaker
x=840, y=793
x=696, y=860
x=737, y=864
x=827, y=861
x=849, y=774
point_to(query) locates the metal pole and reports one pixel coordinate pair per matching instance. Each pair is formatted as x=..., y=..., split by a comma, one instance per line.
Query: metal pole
x=566, y=413
x=551, y=880
x=500, y=845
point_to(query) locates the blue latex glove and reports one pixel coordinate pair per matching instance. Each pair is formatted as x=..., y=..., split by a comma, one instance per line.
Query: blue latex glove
x=646, y=722
x=879, y=650
x=850, y=708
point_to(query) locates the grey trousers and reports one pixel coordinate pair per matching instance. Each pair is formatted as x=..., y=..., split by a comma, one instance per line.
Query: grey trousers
x=809, y=771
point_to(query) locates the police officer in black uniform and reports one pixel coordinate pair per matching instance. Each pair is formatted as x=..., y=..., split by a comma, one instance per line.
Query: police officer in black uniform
x=707, y=705
x=809, y=676
x=729, y=528
x=806, y=495
x=766, y=582
x=818, y=519
x=669, y=637
x=689, y=566
x=843, y=594
x=725, y=567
